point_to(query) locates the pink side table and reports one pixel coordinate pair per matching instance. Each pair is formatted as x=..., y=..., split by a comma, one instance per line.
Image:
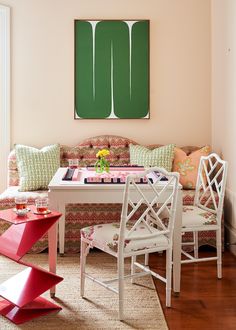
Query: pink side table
x=21, y=293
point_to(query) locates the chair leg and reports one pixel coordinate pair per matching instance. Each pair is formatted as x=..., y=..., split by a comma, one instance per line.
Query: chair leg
x=195, y=239
x=146, y=262
x=219, y=253
x=133, y=260
x=168, y=276
x=120, y=266
x=82, y=266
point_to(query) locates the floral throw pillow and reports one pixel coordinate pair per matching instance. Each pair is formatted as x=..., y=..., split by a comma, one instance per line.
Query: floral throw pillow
x=187, y=165
x=160, y=157
x=36, y=167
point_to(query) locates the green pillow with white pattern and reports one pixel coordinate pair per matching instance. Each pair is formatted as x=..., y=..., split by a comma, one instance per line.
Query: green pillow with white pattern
x=37, y=166
x=160, y=157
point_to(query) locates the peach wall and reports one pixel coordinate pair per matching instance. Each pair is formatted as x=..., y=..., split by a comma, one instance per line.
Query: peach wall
x=42, y=71
x=4, y=92
x=224, y=99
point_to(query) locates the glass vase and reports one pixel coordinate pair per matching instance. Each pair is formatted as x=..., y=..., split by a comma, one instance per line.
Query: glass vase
x=102, y=165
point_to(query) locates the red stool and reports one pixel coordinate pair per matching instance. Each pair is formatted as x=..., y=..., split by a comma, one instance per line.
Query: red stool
x=21, y=293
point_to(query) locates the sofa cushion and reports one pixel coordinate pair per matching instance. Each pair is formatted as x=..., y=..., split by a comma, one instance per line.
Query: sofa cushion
x=37, y=167
x=161, y=157
x=187, y=165
x=7, y=198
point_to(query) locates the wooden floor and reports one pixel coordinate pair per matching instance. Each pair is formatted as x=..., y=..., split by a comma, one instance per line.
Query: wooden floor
x=204, y=302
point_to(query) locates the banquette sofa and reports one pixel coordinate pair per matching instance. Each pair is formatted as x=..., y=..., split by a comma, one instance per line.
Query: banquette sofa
x=81, y=215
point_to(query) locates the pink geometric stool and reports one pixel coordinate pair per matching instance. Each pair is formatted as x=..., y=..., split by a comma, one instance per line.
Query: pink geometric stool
x=21, y=293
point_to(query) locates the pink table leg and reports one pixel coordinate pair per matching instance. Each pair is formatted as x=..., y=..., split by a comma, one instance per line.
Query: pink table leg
x=52, y=253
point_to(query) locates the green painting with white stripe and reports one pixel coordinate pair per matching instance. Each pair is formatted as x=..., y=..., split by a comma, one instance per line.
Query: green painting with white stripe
x=111, y=69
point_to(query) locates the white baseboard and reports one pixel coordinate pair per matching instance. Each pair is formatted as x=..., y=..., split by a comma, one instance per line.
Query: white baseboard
x=230, y=220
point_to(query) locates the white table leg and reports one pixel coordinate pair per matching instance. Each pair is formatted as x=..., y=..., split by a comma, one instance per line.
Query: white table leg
x=62, y=228
x=177, y=244
x=59, y=205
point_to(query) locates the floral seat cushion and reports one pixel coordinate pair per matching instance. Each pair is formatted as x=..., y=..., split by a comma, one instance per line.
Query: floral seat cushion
x=107, y=235
x=194, y=216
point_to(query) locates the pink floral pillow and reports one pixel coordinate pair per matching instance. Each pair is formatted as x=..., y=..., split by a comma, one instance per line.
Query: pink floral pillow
x=187, y=165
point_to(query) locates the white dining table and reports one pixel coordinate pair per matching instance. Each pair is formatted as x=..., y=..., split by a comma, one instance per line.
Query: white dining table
x=63, y=192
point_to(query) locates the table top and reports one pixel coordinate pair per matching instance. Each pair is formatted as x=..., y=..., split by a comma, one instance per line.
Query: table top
x=10, y=215
x=57, y=182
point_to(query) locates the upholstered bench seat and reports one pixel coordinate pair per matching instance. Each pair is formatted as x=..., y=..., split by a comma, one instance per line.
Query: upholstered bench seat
x=8, y=196
x=82, y=215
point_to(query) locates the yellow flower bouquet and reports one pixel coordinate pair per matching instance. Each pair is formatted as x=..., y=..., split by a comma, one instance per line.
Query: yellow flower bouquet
x=102, y=164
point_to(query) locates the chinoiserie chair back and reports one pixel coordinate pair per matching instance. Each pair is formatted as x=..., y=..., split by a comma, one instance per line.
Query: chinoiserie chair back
x=146, y=226
x=147, y=202
x=211, y=183
x=206, y=213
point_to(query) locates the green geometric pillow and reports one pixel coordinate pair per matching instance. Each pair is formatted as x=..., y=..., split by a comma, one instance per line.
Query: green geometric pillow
x=37, y=167
x=161, y=157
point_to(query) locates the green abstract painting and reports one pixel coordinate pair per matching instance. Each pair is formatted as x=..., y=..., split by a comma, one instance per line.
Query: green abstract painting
x=111, y=69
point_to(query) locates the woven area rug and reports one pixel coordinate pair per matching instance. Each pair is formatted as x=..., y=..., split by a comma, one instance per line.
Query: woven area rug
x=100, y=308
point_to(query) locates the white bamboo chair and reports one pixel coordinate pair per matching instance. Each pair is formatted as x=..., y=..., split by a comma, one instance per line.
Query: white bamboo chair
x=206, y=213
x=132, y=237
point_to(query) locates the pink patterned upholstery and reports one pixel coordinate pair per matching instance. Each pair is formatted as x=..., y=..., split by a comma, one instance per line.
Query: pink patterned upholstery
x=83, y=215
x=13, y=175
